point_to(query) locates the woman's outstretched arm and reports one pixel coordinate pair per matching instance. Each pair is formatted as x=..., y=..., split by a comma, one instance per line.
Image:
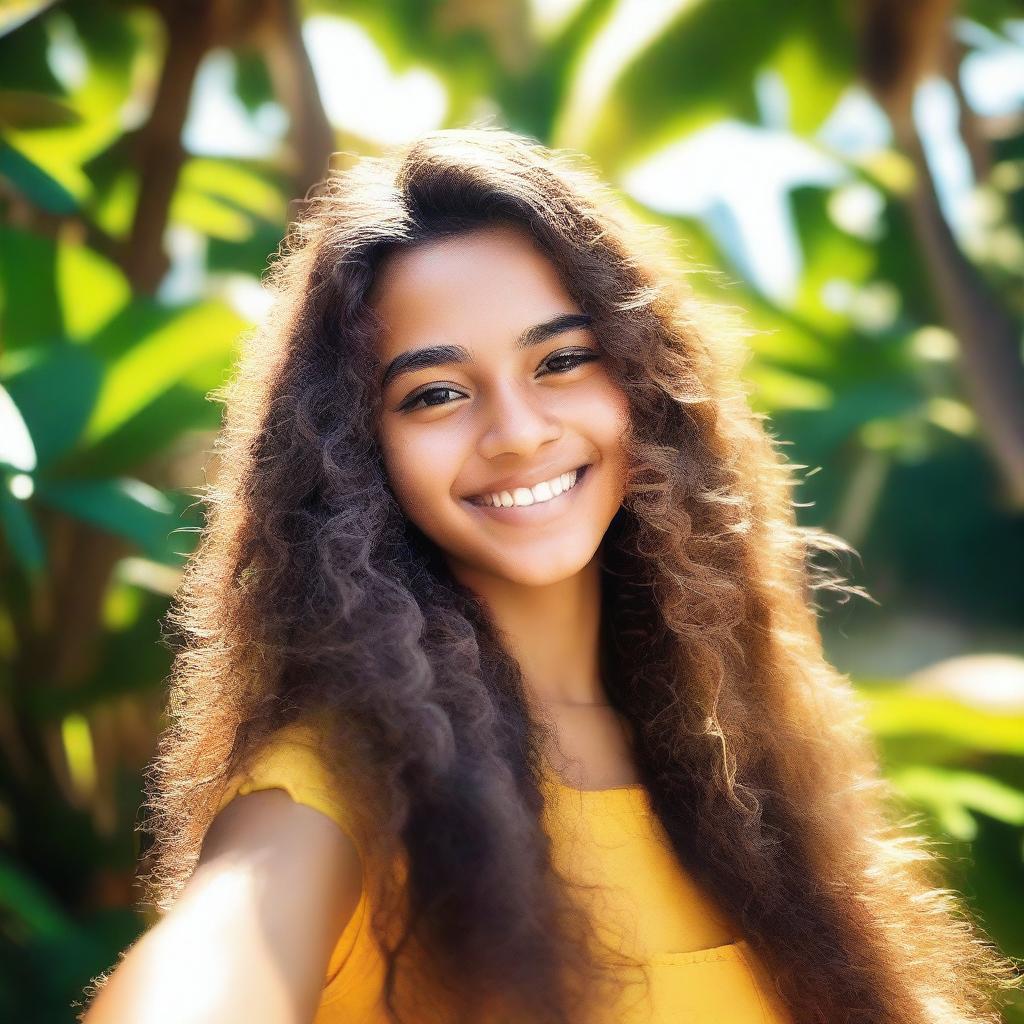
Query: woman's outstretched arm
x=250, y=937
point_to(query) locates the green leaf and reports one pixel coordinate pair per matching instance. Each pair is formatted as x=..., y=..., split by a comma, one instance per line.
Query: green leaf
x=23, y=538
x=781, y=389
x=113, y=202
x=210, y=216
x=110, y=37
x=129, y=661
x=899, y=712
x=31, y=310
x=32, y=160
x=697, y=70
x=21, y=108
x=250, y=257
x=857, y=403
x=253, y=85
x=703, y=67
x=16, y=447
x=154, y=430
x=776, y=334
x=126, y=507
x=994, y=15
x=952, y=795
x=26, y=900
x=829, y=254
x=244, y=187
x=15, y=13
x=23, y=59
x=816, y=60
x=199, y=335
x=35, y=184
x=69, y=371
x=92, y=289
x=532, y=100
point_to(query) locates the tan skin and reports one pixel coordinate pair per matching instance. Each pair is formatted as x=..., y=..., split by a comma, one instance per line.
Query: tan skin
x=276, y=882
x=509, y=416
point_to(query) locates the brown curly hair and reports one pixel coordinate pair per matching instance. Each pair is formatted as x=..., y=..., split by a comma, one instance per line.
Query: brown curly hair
x=310, y=589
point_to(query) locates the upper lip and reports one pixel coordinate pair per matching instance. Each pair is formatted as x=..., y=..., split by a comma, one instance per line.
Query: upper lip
x=510, y=483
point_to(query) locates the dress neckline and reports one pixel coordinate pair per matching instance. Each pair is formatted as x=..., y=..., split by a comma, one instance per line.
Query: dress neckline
x=629, y=789
x=632, y=787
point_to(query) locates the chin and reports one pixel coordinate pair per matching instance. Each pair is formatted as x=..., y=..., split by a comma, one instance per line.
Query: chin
x=542, y=577
x=538, y=570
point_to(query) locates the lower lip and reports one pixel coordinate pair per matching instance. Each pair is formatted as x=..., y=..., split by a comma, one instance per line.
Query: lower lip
x=537, y=513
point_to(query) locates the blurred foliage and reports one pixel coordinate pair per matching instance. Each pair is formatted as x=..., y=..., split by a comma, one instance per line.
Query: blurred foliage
x=892, y=375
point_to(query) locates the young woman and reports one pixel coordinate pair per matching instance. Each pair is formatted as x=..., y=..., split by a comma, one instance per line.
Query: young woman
x=500, y=695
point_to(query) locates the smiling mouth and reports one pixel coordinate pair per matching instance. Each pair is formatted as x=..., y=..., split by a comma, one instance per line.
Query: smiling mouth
x=524, y=497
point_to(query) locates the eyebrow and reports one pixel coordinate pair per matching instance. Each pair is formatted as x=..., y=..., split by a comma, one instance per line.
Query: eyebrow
x=439, y=355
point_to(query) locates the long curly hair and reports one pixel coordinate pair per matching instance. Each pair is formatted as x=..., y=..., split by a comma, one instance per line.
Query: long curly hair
x=310, y=589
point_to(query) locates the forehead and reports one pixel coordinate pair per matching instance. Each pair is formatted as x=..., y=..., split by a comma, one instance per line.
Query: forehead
x=493, y=281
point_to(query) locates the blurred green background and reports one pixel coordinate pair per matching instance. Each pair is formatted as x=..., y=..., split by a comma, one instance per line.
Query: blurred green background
x=848, y=176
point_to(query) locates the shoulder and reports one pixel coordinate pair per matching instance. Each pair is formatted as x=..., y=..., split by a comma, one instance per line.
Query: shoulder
x=313, y=863
x=285, y=866
x=292, y=760
x=282, y=816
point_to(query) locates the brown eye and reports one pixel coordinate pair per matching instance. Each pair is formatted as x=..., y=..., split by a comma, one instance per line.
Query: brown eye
x=414, y=402
x=570, y=360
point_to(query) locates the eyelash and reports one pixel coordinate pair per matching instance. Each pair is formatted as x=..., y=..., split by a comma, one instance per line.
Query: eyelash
x=579, y=358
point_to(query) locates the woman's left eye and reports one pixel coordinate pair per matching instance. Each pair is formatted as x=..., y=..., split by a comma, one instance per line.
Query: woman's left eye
x=574, y=359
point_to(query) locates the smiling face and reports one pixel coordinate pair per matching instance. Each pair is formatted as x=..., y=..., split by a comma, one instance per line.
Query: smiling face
x=515, y=402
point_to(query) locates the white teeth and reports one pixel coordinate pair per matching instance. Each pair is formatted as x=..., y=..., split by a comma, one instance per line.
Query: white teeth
x=523, y=496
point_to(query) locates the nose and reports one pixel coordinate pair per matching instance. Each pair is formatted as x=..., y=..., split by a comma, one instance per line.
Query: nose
x=518, y=423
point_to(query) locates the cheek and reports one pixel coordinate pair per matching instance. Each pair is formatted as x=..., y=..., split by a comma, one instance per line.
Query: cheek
x=418, y=465
x=611, y=430
x=612, y=420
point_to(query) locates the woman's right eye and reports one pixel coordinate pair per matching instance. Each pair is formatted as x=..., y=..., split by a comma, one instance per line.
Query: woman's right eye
x=414, y=402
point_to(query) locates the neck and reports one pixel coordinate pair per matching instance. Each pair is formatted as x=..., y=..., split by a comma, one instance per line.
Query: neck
x=553, y=632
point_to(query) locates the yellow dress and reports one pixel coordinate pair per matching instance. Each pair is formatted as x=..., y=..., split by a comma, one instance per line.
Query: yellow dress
x=610, y=837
